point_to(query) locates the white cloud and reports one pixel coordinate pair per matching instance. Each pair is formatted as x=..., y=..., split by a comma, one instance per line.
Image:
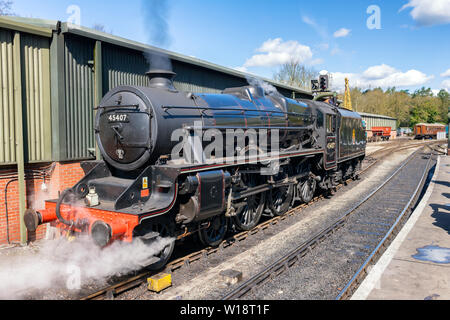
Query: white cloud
x=429, y=12
x=446, y=85
x=383, y=76
x=378, y=72
x=341, y=33
x=446, y=74
x=275, y=52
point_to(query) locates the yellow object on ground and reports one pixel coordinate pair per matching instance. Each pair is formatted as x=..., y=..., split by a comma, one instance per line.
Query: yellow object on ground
x=159, y=282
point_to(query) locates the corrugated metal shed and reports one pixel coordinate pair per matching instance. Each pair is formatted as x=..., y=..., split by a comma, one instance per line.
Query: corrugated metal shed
x=67, y=69
x=376, y=120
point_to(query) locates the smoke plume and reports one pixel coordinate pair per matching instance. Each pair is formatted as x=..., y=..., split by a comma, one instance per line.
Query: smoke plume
x=156, y=15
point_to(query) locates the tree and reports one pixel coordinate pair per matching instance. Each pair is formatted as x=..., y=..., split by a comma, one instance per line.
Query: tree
x=5, y=7
x=422, y=92
x=295, y=74
x=425, y=110
x=444, y=96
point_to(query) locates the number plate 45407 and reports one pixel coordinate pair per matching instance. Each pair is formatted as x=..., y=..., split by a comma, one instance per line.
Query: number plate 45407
x=118, y=117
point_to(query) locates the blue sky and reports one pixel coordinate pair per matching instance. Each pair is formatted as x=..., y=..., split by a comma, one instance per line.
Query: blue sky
x=410, y=50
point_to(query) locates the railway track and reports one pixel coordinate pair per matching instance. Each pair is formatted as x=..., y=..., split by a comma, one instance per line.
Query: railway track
x=294, y=256
x=114, y=290
x=361, y=273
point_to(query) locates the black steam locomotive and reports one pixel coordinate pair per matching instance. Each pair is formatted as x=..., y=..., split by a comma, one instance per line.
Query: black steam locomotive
x=178, y=163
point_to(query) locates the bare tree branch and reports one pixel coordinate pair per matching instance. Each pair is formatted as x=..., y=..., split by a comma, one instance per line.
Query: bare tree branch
x=5, y=8
x=296, y=74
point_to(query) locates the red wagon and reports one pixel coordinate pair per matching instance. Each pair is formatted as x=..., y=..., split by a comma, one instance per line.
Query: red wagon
x=381, y=133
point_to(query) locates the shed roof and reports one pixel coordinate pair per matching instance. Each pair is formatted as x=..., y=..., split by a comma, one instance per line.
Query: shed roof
x=431, y=124
x=371, y=115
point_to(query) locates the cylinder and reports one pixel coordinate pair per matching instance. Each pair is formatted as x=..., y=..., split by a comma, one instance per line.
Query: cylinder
x=33, y=218
x=102, y=232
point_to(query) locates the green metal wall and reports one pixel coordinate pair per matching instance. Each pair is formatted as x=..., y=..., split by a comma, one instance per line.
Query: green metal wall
x=122, y=66
x=35, y=83
x=191, y=78
x=7, y=119
x=35, y=53
x=79, y=97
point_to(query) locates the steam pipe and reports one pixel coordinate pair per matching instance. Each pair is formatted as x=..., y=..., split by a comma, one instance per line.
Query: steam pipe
x=6, y=208
x=58, y=208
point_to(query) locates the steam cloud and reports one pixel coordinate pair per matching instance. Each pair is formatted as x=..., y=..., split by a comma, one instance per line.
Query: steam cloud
x=268, y=88
x=53, y=266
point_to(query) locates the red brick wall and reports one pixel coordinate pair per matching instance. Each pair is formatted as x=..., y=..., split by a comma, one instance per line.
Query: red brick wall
x=64, y=175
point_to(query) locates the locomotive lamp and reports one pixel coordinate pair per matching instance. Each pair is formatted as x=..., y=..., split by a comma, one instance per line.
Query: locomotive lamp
x=92, y=199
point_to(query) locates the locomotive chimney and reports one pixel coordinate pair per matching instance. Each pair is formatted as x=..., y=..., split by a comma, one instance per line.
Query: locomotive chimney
x=162, y=79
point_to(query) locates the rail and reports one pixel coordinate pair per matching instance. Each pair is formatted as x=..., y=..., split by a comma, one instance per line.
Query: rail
x=296, y=254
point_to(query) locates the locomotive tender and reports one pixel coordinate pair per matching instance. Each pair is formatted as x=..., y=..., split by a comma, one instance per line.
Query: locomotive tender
x=240, y=154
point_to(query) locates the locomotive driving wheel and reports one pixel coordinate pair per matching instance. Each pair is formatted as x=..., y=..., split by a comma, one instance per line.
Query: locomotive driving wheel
x=281, y=199
x=307, y=189
x=214, y=234
x=158, y=234
x=248, y=215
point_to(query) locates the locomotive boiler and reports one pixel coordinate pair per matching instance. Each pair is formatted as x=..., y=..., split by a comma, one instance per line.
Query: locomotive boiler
x=178, y=163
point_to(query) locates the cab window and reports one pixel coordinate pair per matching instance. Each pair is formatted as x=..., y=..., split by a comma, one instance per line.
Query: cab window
x=319, y=119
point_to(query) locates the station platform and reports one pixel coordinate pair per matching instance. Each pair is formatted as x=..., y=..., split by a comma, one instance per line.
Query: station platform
x=416, y=266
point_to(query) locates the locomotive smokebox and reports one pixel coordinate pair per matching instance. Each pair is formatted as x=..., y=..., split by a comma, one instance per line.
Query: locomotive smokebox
x=161, y=79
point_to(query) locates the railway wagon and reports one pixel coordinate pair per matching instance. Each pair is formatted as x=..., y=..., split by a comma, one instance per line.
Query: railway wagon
x=381, y=133
x=180, y=163
x=428, y=130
